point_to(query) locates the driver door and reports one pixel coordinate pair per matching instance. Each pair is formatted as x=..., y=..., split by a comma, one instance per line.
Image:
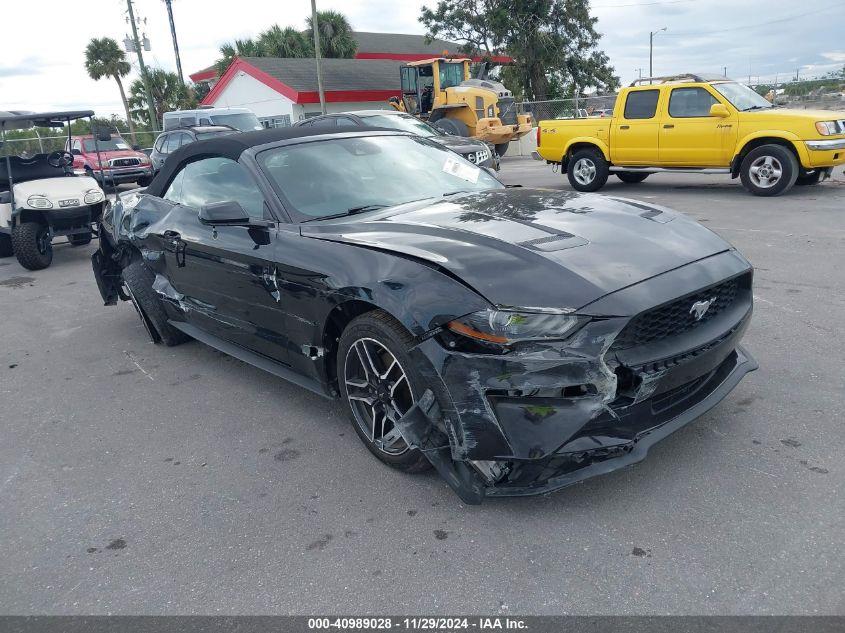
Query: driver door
x=228, y=273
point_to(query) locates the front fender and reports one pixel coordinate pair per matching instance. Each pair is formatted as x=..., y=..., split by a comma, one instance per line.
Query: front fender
x=790, y=137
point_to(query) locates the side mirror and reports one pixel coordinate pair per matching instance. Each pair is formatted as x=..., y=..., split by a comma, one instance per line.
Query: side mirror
x=104, y=135
x=136, y=148
x=229, y=212
x=76, y=152
x=719, y=110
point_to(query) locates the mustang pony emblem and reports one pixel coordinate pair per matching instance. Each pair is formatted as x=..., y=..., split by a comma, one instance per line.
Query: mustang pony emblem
x=699, y=308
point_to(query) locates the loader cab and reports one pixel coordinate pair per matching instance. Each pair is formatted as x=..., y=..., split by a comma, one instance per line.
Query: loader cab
x=424, y=83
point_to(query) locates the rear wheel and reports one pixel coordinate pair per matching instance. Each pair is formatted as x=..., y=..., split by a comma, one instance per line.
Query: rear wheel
x=631, y=177
x=6, y=245
x=769, y=170
x=452, y=126
x=587, y=170
x=80, y=239
x=379, y=383
x=809, y=179
x=33, y=245
x=138, y=280
x=501, y=148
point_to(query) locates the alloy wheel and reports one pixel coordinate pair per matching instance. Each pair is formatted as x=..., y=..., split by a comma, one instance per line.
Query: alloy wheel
x=379, y=393
x=766, y=172
x=584, y=171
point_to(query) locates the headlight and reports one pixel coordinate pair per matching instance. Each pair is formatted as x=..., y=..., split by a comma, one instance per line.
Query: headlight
x=92, y=196
x=39, y=202
x=505, y=327
x=826, y=128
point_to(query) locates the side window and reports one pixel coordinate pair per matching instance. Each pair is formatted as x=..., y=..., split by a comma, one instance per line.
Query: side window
x=328, y=121
x=641, y=104
x=205, y=121
x=184, y=138
x=174, y=190
x=218, y=180
x=76, y=145
x=343, y=121
x=409, y=79
x=160, y=141
x=187, y=120
x=690, y=102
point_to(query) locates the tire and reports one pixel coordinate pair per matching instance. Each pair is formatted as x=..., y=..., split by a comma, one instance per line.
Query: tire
x=32, y=245
x=80, y=239
x=501, y=148
x=587, y=170
x=631, y=177
x=139, y=281
x=452, y=126
x=383, y=337
x=6, y=249
x=809, y=179
x=144, y=182
x=769, y=170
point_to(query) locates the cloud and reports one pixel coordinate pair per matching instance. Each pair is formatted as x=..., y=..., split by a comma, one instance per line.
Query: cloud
x=835, y=56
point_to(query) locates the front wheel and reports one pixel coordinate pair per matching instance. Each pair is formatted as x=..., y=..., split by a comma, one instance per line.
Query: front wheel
x=587, y=170
x=631, y=177
x=33, y=245
x=379, y=383
x=769, y=170
x=138, y=280
x=453, y=127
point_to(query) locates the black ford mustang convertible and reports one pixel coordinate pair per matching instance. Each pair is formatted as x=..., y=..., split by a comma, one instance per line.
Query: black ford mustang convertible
x=518, y=340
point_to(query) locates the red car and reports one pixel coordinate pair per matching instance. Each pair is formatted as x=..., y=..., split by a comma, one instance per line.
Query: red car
x=118, y=162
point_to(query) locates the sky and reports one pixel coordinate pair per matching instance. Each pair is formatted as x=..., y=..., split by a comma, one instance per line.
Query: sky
x=41, y=62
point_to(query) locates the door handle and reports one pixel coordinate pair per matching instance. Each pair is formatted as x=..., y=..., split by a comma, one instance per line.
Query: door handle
x=175, y=239
x=624, y=127
x=172, y=235
x=668, y=126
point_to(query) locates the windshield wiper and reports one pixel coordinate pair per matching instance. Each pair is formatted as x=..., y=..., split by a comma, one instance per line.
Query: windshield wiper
x=757, y=107
x=351, y=211
x=454, y=193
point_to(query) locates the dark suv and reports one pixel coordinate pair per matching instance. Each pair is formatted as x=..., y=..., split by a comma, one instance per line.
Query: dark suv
x=475, y=151
x=168, y=142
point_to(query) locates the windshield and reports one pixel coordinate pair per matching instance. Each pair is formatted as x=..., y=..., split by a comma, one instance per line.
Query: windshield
x=403, y=122
x=201, y=136
x=333, y=176
x=742, y=97
x=113, y=144
x=244, y=122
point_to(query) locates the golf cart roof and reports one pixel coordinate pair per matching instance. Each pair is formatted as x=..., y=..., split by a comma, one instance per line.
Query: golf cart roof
x=21, y=120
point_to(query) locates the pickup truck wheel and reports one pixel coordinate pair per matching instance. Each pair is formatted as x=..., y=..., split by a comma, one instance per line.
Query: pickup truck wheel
x=33, y=245
x=139, y=282
x=588, y=170
x=809, y=179
x=6, y=245
x=80, y=239
x=769, y=170
x=631, y=177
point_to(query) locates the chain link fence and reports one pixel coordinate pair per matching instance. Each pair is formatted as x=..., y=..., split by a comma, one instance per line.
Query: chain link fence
x=576, y=108
x=36, y=143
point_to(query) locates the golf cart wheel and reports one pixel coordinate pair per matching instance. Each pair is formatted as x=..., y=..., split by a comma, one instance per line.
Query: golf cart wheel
x=138, y=280
x=812, y=178
x=769, y=170
x=6, y=245
x=587, y=170
x=452, y=126
x=80, y=239
x=379, y=382
x=631, y=177
x=32, y=244
x=501, y=148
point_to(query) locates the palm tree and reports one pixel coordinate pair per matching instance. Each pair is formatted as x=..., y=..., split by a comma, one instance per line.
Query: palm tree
x=167, y=91
x=287, y=42
x=239, y=48
x=335, y=35
x=104, y=58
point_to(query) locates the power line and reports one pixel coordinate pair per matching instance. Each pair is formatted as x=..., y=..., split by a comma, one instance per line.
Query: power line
x=752, y=26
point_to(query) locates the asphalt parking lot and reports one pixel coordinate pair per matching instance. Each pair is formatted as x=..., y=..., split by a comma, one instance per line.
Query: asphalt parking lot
x=138, y=479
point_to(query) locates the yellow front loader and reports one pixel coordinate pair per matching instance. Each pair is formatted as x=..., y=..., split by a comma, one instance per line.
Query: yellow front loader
x=441, y=91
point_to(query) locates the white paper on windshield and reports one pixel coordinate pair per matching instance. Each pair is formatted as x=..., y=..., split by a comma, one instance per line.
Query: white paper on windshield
x=461, y=170
x=121, y=146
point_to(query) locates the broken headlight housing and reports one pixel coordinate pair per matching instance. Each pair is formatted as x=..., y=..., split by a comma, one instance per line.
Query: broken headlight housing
x=505, y=327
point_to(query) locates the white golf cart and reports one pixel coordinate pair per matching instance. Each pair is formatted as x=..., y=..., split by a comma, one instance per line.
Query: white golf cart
x=41, y=197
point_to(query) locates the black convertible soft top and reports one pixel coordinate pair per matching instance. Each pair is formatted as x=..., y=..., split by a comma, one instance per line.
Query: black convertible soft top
x=233, y=145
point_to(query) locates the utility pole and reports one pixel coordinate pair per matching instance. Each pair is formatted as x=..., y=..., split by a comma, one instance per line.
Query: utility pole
x=168, y=3
x=725, y=68
x=144, y=75
x=316, y=29
x=651, y=51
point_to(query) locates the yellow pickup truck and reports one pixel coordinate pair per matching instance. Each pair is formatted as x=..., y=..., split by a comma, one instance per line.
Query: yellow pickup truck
x=691, y=124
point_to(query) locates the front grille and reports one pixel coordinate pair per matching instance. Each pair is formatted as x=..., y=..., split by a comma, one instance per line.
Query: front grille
x=477, y=157
x=507, y=110
x=678, y=316
x=124, y=162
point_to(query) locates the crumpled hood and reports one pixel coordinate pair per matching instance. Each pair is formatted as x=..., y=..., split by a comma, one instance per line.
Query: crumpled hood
x=533, y=247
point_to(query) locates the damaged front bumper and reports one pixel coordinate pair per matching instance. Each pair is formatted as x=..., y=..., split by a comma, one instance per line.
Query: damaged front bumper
x=546, y=416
